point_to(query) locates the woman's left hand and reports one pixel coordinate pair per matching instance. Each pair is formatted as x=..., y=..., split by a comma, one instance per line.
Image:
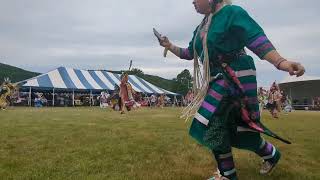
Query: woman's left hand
x=293, y=68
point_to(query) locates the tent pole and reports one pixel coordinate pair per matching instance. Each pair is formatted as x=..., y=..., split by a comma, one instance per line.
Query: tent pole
x=90, y=97
x=29, y=100
x=73, y=97
x=53, y=97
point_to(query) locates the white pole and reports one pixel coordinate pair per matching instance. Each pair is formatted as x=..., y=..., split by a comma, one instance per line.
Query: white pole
x=90, y=97
x=29, y=100
x=53, y=98
x=73, y=97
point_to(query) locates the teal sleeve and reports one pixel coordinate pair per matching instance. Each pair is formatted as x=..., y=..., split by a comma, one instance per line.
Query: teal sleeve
x=187, y=53
x=249, y=33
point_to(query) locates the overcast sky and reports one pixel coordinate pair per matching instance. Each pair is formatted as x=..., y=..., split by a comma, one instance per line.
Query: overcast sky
x=41, y=35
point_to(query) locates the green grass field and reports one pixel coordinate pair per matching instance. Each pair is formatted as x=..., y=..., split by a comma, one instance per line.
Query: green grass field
x=91, y=143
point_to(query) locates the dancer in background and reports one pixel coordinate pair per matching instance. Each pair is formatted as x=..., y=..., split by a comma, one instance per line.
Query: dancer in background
x=126, y=94
x=274, y=98
x=7, y=89
x=262, y=98
x=104, y=99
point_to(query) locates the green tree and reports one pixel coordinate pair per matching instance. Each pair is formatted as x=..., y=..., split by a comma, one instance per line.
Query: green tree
x=183, y=82
x=137, y=72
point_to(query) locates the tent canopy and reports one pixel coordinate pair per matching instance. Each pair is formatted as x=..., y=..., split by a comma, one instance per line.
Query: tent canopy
x=74, y=79
x=302, y=89
x=290, y=79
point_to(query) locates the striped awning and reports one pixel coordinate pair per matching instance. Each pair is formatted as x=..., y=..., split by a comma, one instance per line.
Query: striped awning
x=75, y=79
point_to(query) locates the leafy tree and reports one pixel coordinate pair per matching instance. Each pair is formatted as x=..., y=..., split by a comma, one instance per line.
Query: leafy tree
x=183, y=82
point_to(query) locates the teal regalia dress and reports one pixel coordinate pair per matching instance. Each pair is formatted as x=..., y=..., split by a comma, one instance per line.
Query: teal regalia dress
x=229, y=115
x=217, y=122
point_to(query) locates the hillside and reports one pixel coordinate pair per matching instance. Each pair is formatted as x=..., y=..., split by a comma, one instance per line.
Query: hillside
x=15, y=74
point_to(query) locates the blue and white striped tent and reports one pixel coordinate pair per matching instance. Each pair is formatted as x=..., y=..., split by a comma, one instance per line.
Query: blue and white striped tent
x=74, y=79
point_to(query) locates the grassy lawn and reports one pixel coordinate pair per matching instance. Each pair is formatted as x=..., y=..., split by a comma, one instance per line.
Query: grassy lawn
x=91, y=143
